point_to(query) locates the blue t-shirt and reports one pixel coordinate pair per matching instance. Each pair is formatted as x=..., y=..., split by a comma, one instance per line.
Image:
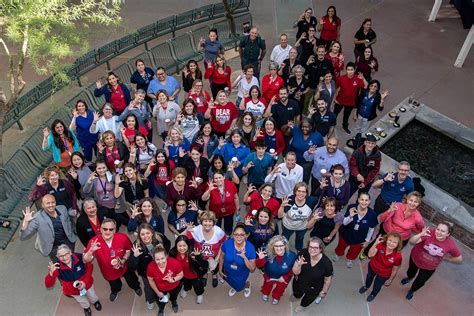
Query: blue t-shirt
x=394, y=191
x=234, y=266
x=299, y=145
x=83, y=125
x=211, y=49
x=257, y=174
x=180, y=223
x=174, y=150
x=356, y=231
x=276, y=269
x=228, y=151
x=170, y=86
x=366, y=105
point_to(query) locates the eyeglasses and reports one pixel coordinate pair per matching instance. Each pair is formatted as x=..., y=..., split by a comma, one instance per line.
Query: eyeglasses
x=107, y=229
x=239, y=235
x=64, y=255
x=314, y=248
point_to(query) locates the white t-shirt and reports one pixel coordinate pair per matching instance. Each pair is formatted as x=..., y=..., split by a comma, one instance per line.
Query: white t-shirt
x=285, y=180
x=244, y=86
x=279, y=54
x=257, y=109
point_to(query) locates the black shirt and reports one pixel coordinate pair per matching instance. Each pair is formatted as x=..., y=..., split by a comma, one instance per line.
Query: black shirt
x=318, y=69
x=134, y=193
x=308, y=48
x=142, y=82
x=312, y=278
x=303, y=26
x=322, y=123
x=61, y=195
x=59, y=233
x=284, y=113
x=361, y=36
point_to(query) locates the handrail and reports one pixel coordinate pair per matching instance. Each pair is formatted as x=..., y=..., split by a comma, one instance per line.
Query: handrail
x=96, y=57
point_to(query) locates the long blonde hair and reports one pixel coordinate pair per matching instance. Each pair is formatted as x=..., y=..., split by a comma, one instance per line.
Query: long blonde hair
x=271, y=246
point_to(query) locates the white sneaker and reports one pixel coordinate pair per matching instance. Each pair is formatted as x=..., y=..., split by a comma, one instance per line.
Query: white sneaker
x=232, y=292
x=299, y=309
x=183, y=293
x=275, y=302
x=199, y=299
x=265, y=298
x=247, y=291
x=335, y=258
x=349, y=264
x=150, y=306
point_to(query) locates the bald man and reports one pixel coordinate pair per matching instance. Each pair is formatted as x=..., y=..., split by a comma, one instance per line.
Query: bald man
x=52, y=225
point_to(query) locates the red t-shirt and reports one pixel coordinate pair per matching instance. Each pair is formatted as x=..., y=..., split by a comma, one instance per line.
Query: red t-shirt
x=429, y=252
x=188, y=273
x=209, y=248
x=161, y=175
x=117, y=99
x=382, y=263
x=104, y=255
x=173, y=268
x=222, y=117
x=223, y=205
x=130, y=134
x=215, y=76
x=200, y=100
x=256, y=203
x=349, y=89
x=329, y=32
x=271, y=89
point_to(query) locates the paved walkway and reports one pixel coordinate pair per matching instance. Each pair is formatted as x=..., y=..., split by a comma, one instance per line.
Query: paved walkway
x=415, y=58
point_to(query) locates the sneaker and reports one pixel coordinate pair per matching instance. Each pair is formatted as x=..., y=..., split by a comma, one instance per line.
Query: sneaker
x=113, y=296
x=405, y=281
x=265, y=298
x=370, y=298
x=150, y=306
x=87, y=311
x=232, y=292
x=347, y=130
x=409, y=295
x=362, y=256
x=204, y=281
x=183, y=293
x=335, y=258
x=299, y=309
x=275, y=301
x=221, y=279
x=247, y=291
x=139, y=291
x=317, y=300
x=215, y=282
x=362, y=290
x=199, y=299
x=175, y=307
x=98, y=306
x=349, y=264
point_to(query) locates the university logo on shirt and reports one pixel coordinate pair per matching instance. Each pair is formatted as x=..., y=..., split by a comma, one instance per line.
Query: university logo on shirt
x=222, y=115
x=207, y=250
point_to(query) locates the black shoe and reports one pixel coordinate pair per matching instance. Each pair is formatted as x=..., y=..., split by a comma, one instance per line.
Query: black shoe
x=405, y=281
x=215, y=282
x=362, y=290
x=347, y=130
x=87, y=311
x=174, y=306
x=113, y=296
x=370, y=298
x=98, y=306
x=409, y=295
x=139, y=291
x=204, y=282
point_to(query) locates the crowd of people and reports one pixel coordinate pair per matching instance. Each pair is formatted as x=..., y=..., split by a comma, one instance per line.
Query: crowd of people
x=226, y=185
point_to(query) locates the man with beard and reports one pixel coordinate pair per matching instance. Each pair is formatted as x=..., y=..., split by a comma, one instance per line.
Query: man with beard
x=285, y=111
x=323, y=121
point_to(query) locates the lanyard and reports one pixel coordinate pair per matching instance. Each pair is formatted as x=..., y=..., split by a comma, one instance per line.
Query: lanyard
x=66, y=146
x=103, y=185
x=222, y=195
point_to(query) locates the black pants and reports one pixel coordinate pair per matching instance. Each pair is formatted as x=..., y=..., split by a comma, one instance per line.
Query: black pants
x=122, y=219
x=228, y=223
x=149, y=293
x=314, y=185
x=347, y=113
x=193, y=283
x=421, y=278
x=380, y=206
x=216, y=87
x=131, y=279
x=173, y=298
x=355, y=185
x=377, y=280
x=308, y=295
x=307, y=167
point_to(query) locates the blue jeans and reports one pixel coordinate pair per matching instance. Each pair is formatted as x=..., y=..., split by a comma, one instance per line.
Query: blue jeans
x=378, y=283
x=299, y=237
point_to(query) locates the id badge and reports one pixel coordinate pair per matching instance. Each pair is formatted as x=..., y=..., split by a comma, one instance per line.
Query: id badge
x=356, y=227
x=233, y=266
x=106, y=197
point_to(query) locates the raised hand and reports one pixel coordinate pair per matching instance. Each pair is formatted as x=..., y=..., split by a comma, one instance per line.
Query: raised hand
x=221, y=142
x=248, y=221
x=241, y=254
x=135, y=211
x=360, y=75
x=261, y=253
x=276, y=169
x=137, y=250
x=96, y=116
x=384, y=94
x=312, y=149
x=196, y=252
x=75, y=114
x=28, y=214
x=182, y=153
x=40, y=181
x=291, y=124
x=317, y=216
x=52, y=267
x=390, y=176
x=379, y=239
x=193, y=206
x=425, y=232
x=301, y=261
x=211, y=184
x=193, y=183
x=312, y=110
x=251, y=188
x=352, y=211
x=323, y=183
x=285, y=201
x=393, y=207
x=73, y=173
x=249, y=165
x=100, y=146
x=98, y=84
x=45, y=132
x=95, y=245
x=118, y=179
x=92, y=177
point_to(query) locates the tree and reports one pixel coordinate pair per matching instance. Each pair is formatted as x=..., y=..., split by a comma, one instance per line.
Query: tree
x=45, y=33
x=229, y=13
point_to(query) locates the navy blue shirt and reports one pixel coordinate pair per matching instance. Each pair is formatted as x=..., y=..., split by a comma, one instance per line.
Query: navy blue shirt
x=299, y=145
x=356, y=231
x=142, y=82
x=394, y=191
x=323, y=123
x=180, y=223
x=366, y=105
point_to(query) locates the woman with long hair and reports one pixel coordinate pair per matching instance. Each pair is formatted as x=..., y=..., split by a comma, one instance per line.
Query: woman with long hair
x=130, y=129
x=114, y=92
x=79, y=172
x=261, y=198
x=133, y=186
x=211, y=47
x=286, y=69
x=195, y=164
x=175, y=144
x=364, y=37
x=180, y=186
x=218, y=74
x=260, y=228
x=247, y=126
x=255, y=104
x=62, y=141
x=207, y=139
x=160, y=169
x=330, y=27
x=182, y=215
x=235, y=151
x=222, y=113
x=113, y=152
x=367, y=64
x=200, y=96
x=141, y=78
x=335, y=55
x=81, y=122
x=142, y=153
x=146, y=211
x=189, y=74
x=193, y=264
x=277, y=262
x=368, y=102
x=189, y=119
x=218, y=164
